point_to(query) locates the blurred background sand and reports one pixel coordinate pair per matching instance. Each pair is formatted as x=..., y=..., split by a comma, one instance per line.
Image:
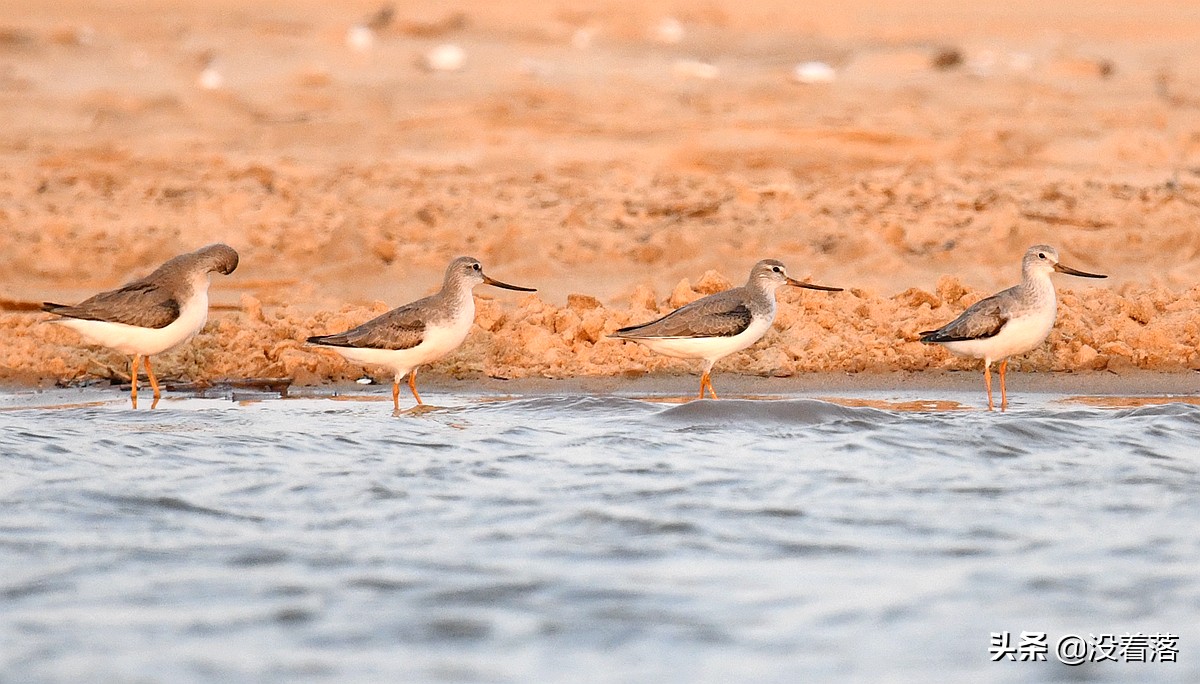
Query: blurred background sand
x=606, y=150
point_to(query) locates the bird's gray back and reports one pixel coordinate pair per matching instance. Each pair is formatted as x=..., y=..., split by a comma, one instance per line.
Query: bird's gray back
x=981, y=320
x=400, y=328
x=723, y=314
x=147, y=303
x=155, y=300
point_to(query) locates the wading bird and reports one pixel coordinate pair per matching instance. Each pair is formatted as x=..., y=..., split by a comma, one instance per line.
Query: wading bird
x=720, y=324
x=1010, y=322
x=151, y=315
x=418, y=333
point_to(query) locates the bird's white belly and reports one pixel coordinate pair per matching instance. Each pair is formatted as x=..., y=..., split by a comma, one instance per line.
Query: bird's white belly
x=438, y=341
x=708, y=348
x=1018, y=336
x=131, y=339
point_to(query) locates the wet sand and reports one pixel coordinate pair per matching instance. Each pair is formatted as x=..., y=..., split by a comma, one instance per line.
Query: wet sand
x=930, y=391
x=579, y=153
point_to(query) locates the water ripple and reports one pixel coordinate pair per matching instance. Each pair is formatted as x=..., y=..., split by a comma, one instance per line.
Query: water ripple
x=169, y=503
x=536, y=538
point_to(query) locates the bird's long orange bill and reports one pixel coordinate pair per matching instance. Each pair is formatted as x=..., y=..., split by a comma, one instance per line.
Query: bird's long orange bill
x=810, y=286
x=496, y=283
x=1070, y=271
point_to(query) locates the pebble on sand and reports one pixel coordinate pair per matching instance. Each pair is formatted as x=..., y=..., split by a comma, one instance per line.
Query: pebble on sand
x=444, y=57
x=360, y=38
x=210, y=78
x=814, y=72
x=668, y=31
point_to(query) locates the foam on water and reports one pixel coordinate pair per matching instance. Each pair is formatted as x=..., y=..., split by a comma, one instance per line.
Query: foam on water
x=588, y=538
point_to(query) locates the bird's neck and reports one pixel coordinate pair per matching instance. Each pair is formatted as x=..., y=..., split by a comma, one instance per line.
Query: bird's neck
x=459, y=292
x=200, y=283
x=1036, y=285
x=762, y=296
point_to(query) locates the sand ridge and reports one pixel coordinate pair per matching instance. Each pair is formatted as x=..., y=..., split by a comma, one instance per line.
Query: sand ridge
x=578, y=152
x=517, y=337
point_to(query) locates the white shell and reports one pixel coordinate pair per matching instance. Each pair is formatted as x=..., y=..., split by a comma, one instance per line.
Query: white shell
x=668, y=31
x=445, y=57
x=814, y=72
x=210, y=79
x=360, y=38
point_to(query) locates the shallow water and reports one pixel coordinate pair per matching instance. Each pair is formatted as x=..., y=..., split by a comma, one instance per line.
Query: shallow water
x=589, y=538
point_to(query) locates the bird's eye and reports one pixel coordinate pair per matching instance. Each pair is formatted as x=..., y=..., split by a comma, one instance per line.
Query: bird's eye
x=777, y=269
x=475, y=266
x=1041, y=255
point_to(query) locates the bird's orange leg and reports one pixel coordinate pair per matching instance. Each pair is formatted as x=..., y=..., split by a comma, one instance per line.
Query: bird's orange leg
x=987, y=380
x=395, y=395
x=1003, y=389
x=133, y=372
x=412, y=385
x=153, y=384
x=703, y=383
x=711, y=391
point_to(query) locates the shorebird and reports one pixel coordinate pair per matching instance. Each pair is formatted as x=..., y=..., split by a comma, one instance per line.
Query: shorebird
x=151, y=315
x=420, y=332
x=720, y=324
x=1010, y=322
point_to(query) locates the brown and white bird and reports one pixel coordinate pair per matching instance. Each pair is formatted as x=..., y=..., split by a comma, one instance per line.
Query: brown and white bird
x=150, y=315
x=419, y=332
x=720, y=324
x=1010, y=322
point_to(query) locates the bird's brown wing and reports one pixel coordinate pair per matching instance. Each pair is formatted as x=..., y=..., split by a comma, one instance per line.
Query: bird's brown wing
x=720, y=315
x=142, y=303
x=401, y=328
x=981, y=320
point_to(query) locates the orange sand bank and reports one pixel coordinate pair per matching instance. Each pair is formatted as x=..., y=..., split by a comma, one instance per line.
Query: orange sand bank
x=582, y=152
x=1142, y=327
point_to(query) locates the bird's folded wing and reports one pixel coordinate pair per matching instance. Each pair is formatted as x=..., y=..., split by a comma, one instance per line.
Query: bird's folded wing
x=139, y=303
x=981, y=320
x=708, y=317
x=401, y=328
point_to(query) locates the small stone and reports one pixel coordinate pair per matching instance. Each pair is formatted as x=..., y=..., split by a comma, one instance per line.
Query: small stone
x=360, y=38
x=668, y=31
x=445, y=57
x=947, y=58
x=814, y=72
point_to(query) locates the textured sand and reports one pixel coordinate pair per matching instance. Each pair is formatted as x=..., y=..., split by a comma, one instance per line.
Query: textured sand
x=612, y=176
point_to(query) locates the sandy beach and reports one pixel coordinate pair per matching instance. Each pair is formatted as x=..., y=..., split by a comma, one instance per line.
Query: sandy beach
x=619, y=165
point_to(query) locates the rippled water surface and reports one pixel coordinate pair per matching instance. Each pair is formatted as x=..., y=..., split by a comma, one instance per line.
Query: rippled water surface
x=587, y=538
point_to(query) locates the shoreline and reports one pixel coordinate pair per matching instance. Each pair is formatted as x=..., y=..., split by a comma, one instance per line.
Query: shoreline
x=1132, y=383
